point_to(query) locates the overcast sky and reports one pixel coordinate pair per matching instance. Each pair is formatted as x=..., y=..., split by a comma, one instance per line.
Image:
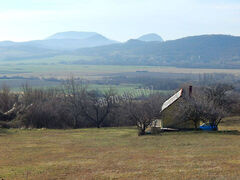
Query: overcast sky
x=22, y=20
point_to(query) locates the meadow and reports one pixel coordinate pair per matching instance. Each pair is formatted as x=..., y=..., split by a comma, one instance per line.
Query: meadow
x=113, y=153
x=51, y=74
x=93, y=72
x=118, y=153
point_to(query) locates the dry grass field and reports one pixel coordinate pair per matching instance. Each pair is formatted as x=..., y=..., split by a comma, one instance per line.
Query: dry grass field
x=118, y=153
x=94, y=72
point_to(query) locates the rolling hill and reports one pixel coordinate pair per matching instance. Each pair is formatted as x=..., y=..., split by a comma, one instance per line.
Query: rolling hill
x=205, y=51
x=150, y=37
x=18, y=52
x=73, y=35
x=64, y=41
x=212, y=51
x=73, y=40
x=56, y=44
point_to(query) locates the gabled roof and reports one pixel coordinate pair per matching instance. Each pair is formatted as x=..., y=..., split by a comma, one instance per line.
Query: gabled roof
x=171, y=100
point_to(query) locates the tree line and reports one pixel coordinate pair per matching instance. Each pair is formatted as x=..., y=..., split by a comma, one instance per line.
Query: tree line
x=75, y=106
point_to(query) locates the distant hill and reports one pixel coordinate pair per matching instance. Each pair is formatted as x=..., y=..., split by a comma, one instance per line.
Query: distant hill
x=6, y=43
x=72, y=44
x=150, y=37
x=24, y=52
x=74, y=40
x=205, y=51
x=73, y=35
x=211, y=51
x=65, y=41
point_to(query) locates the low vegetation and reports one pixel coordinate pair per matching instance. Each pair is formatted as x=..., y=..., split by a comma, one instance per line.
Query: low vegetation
x=74, y=132
x=117, y=153
x=74, y=105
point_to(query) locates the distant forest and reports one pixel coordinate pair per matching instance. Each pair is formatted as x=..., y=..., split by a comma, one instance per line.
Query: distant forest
x=207, y=51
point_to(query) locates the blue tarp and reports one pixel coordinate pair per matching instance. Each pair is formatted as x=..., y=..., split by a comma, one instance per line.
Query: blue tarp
x=208, y=127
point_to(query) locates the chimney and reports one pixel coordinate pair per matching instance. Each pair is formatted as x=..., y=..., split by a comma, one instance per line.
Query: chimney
x=190, y=91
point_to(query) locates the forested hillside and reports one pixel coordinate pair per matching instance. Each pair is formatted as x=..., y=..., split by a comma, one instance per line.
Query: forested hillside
x=215, y=51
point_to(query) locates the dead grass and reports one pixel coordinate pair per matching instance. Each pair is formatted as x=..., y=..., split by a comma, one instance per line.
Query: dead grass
x=95, y=72
x=118, y=153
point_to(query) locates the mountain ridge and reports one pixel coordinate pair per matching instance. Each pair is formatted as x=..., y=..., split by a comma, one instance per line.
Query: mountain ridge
x=203, y=51
x=195, y=51
x=69, y=40
x=150, y=37
x=72, y=35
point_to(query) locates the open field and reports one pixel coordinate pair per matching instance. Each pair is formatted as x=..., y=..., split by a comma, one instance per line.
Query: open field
x=123, y=78
x=94, y=72
x=118, y=153
x=16, y=85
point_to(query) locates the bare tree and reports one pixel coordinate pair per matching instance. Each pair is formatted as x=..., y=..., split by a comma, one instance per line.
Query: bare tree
x=144, y=112
x=205, y=105
x=216, y=103
x=88, y=105
x=234, y=103
x=218, y=94
x=7, y=103
x=96, y=109
x=74, y=94
x=7, y=98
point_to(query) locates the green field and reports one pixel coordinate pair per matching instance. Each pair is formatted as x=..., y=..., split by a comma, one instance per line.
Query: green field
x=93, y=72
x=36, y=74
x=118, y=153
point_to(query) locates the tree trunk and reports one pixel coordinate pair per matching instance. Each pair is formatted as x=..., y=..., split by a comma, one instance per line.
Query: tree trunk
x=141, y=132
x=195, y=125
x=98, y=125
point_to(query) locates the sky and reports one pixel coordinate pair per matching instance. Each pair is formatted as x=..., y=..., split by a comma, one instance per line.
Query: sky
x=23, y=20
